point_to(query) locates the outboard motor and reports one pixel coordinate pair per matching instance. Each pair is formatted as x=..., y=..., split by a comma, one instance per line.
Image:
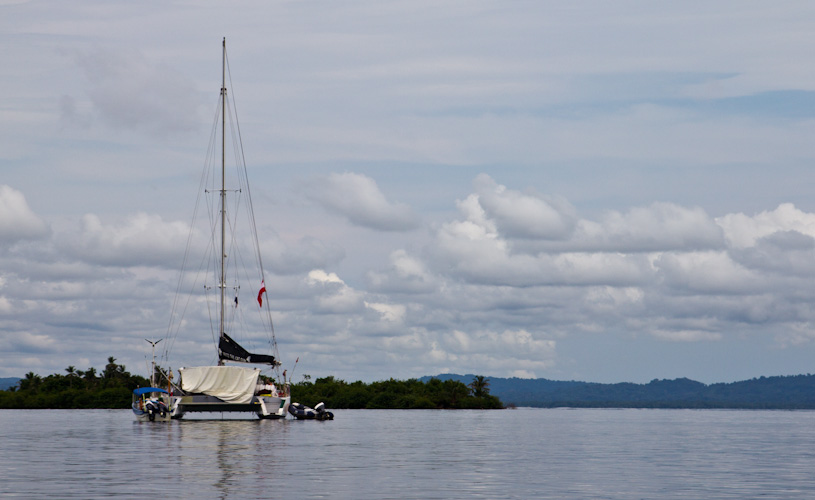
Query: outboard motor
x=151, y=410
x=321, y=413
x=154, y=407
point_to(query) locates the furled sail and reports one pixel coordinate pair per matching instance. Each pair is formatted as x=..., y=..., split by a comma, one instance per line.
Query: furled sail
x=232, y=384
x=230, y=350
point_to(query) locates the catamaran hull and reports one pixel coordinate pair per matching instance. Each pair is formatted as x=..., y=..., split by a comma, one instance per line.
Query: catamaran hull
x=263, y=406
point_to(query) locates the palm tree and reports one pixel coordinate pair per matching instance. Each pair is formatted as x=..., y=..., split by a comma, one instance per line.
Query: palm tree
x=480, y=386
x=30, y=382
x=71, y=374
x=90, y=377
x=111, y=368
x=453, y=391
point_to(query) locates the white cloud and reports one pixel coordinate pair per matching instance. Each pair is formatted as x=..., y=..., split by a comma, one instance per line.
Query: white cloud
x=406, y=274
x=17, y=221
x=319, y=276
x=358, y=198
x=658, y=227
x=140, y=239
x=743, y=231
x=518, y=215
x=706, y=272
x=474, y=249
x=389, y=312
x=333, y=295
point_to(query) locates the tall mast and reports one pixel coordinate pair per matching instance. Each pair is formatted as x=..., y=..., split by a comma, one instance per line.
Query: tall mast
x=223, y=188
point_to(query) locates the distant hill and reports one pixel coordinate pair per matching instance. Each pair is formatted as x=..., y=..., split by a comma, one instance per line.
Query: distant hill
x=6, y=383
x=782, y=392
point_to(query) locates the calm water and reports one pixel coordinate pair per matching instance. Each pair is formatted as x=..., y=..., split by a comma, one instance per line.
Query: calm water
x=523, y=453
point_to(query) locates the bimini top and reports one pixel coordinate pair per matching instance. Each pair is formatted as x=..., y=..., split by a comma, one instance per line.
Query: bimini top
x=144, y=390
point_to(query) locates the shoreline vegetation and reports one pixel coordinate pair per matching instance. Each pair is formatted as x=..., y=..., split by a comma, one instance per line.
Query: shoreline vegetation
x=391, y=394
x=112, y=389
x=76, y=389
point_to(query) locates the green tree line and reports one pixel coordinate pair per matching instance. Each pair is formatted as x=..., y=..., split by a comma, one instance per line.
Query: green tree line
x=111, y=388
x=396, y=394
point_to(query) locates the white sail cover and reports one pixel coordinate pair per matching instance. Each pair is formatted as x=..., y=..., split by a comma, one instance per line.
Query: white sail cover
x=233, y=384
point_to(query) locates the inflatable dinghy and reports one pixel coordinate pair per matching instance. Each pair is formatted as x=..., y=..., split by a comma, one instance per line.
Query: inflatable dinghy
x=303, y=412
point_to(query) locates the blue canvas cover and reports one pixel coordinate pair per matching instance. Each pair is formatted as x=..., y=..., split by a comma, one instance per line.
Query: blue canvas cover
x=143, y=390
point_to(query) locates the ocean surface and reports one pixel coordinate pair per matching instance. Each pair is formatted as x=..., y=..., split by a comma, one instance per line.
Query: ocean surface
x=416, y=454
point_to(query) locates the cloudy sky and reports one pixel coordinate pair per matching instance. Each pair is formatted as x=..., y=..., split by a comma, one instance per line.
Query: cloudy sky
x=599, y=191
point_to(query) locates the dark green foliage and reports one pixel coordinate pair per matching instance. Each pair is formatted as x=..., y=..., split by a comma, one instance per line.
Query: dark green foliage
x=74, y=389
x=78, y=389
x=390, y=394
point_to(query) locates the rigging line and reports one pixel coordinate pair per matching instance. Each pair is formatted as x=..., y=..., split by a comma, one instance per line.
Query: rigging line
x=241, y=162
x=239, y=259
x=205, y=179
x=251, y=209
x=252, y=220
x=206, y=256
x=204, y=261
x=201, y=188
x=241, y=271
x=211, y=321
x=234, y=250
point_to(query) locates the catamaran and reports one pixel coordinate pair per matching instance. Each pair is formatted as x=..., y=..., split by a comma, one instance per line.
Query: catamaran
x=229, y=385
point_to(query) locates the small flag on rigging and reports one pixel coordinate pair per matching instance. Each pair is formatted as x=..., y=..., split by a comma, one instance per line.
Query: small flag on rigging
x=261, y=292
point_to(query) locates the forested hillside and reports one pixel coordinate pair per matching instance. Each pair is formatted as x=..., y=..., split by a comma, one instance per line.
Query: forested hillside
x=8, y=382
x=781, y=392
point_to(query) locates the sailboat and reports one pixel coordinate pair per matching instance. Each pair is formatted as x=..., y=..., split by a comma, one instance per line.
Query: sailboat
x=231, y=384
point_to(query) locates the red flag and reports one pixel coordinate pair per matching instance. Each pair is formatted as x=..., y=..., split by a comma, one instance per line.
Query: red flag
x=261, y=292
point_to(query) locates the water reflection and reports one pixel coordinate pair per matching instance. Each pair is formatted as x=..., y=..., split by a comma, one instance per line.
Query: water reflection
x=224, y=453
